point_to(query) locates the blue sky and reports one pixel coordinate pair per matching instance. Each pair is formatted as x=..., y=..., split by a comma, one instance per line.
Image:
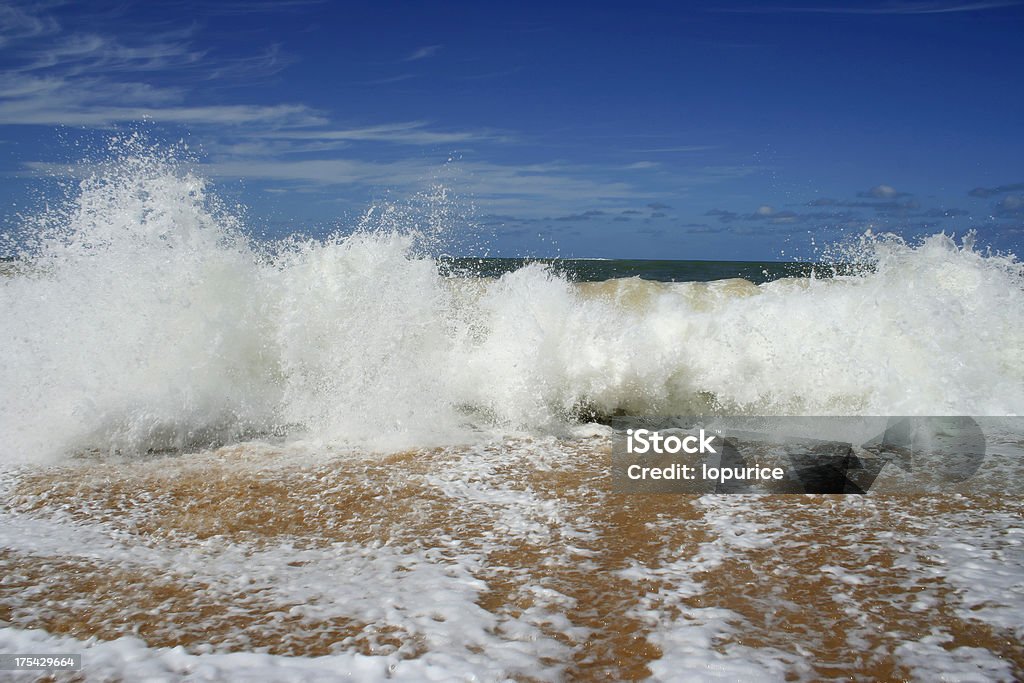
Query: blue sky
x=732, y=130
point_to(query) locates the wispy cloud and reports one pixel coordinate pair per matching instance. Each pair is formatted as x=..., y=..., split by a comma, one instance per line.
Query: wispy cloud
x=529, y=192
x=89, y=53
x=681, y=149
x=882, y=192
x=252, y=6
x=585, y=216
x=88, y=79
x=1010, y=206
x=423, y=53
x=241, y=69
x=323, y=172
x=404, y=133
x=882, y=206
x=897, y=8
x=391, y=79
x=57, y=76
x=985, y=192
x=93, y=78
x=56, y=102
x=883, y=199
x=18, y=23
x=723, y=215
x=641, y=165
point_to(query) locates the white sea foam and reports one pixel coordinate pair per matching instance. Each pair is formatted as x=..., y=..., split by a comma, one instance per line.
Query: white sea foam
x=430, y=594
x=946, y=568
x=983, y=561
x=130, y=659
x=930, y=660
x=145, y=320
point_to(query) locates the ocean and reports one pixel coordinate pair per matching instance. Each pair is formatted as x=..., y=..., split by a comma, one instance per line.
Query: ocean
x=659, y=270
x=356, y=456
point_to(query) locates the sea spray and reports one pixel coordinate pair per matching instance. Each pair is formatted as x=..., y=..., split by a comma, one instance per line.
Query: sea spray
x=138, y=324
x=360, y=333
x=143, y=319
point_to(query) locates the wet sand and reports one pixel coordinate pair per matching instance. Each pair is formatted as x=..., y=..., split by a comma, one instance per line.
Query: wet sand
x=583, y=583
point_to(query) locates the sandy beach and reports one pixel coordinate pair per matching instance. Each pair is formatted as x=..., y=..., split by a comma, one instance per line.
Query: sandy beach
x=512, y=560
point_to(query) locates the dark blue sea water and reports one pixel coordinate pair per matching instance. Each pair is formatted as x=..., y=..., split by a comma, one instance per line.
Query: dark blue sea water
x=595, y=270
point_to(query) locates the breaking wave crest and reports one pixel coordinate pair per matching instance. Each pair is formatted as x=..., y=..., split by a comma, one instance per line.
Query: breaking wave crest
x=142, y=318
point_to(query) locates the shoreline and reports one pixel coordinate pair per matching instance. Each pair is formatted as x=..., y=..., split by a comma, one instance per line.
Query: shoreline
x=517, y=547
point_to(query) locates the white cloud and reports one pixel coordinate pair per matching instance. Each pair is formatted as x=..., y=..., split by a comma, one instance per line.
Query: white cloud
x=531, y=191
x=270, y=61
x=423, y=53
x=407, y=132
x=18, y=24
x=78, y=78
x=90, y=53
x=390, y=79
x=35, y=101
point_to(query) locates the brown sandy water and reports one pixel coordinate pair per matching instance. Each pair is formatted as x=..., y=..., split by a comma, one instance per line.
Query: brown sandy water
x=827, y=587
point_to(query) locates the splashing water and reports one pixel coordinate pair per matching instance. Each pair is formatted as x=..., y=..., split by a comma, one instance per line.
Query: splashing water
x=142, y=318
